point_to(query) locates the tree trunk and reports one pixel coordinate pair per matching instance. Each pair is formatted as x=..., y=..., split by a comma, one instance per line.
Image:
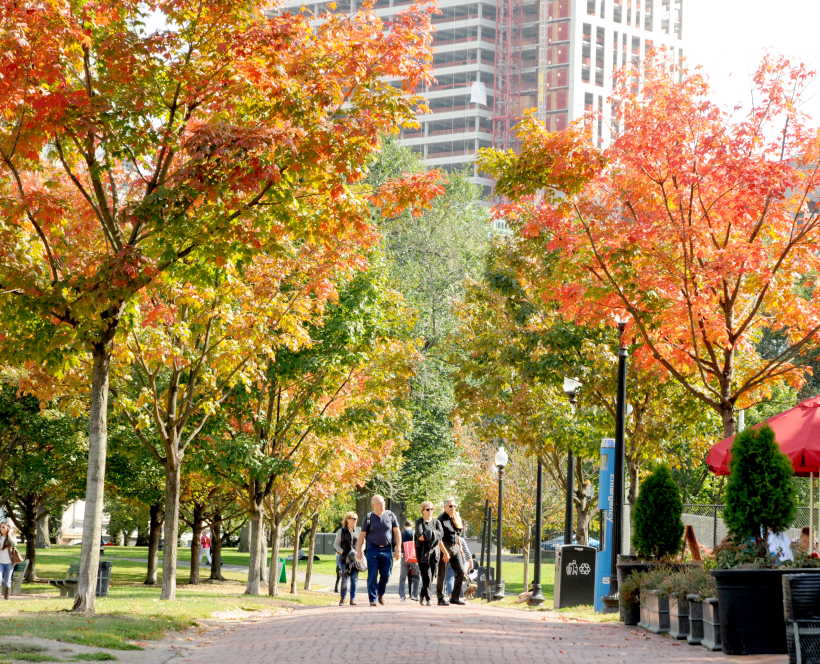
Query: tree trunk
x=196, y=544
x=43, y=541
x=154, y=535
x=632, y=472
x=30, y=531
x=255, y=537
x=276, y=539
x=95, y=479
x=525, y=546
x=584, y=509
x=297, y=531
x=727, y=414
x=171, y=526
x=244, y=539
x=314, y=526
x=216, y=548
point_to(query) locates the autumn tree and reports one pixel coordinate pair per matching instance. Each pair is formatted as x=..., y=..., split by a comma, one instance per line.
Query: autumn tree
x=699, y=225
x=126, y=153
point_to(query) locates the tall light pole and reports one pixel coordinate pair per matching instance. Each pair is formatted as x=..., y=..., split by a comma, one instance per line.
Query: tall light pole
x=571, y=386
x=612, y=600
x=537, y=597
x=501, y=459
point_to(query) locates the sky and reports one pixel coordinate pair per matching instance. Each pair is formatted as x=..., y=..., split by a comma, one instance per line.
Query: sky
x=728, y=38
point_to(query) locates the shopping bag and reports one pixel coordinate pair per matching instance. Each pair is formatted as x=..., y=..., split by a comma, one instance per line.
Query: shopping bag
x=410, y=552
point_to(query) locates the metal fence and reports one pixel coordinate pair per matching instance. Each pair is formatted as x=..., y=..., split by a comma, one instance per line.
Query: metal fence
x=710, y=528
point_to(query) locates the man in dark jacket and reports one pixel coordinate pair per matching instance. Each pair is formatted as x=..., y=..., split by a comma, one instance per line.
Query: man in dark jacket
x=451, y=526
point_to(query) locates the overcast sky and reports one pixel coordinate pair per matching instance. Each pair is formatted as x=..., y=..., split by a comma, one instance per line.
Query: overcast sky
x=728, y=37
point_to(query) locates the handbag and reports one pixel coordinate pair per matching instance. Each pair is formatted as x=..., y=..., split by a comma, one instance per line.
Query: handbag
x=410, y=551
x=15, y=557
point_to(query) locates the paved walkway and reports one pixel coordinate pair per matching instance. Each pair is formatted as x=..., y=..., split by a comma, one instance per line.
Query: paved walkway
x=474, y=634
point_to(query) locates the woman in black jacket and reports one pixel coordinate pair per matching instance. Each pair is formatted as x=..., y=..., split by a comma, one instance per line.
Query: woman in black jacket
x=345, y=544
x=428, y=544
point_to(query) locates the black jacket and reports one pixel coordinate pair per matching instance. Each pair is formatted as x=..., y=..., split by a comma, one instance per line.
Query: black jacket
x=428, y=549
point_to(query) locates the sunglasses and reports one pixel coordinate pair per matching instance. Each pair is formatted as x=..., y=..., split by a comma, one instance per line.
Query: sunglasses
x=427, y=509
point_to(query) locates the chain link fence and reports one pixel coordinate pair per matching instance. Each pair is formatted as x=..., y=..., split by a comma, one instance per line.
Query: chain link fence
x=710, y=528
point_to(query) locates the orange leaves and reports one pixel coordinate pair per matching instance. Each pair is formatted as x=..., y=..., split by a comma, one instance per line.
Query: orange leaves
x=414, y=192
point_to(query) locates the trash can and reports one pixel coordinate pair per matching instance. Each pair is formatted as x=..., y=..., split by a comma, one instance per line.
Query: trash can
x=283, y=578
x=103, y=577
x=574, y=576
x=484, y=573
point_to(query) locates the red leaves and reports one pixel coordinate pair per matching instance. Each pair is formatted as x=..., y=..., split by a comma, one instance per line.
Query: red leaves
x=413, y=192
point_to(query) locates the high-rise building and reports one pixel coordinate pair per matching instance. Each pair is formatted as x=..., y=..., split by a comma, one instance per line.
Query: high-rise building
x=496, y=58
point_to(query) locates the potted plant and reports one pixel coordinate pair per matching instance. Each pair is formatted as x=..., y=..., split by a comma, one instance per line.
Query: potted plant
x=630, y=601
x=657, y=532
x=690, y=581
x=760, y=498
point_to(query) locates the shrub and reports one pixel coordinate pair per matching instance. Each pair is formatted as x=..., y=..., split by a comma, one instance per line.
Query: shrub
x=692, y=579
x=657, y=516
x=759, y=493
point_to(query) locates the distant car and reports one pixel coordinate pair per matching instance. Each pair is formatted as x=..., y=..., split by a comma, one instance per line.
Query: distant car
x=110, y=544
x=550, y=545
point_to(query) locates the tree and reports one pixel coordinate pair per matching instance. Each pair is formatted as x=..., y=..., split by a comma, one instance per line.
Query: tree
x=45, y=472
x=127, y=154
x=429, y=256
x=658, y=530
x=759, y=493
x=696, y=224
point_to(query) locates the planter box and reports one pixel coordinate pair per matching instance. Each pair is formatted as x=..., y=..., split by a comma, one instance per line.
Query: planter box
x=711, y=624
x=644, y=621
x=678, y=617
x=627, y=566
x=695, y=620
x=658, y=609
x=751, y=609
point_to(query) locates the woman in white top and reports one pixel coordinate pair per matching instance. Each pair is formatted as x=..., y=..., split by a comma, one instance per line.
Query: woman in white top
x=7, y=545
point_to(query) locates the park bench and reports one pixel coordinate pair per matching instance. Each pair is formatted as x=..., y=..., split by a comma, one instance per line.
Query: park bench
x=17, y=577
x=68, y=585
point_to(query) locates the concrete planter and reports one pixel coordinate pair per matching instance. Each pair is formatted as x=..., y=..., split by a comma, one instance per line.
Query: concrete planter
x=644, y=621
x=711, y=624
x=695, y=620
x=658, y=610
x=678, y=617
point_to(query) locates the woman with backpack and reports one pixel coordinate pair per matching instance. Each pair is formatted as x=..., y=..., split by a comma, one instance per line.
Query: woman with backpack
x=8, y=548
x=428, y=549
x=345, y=544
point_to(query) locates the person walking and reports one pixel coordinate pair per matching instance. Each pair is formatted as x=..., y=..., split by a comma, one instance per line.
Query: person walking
x=409, y=571
x=428, y=549
x=205, y=544
x=7, y=548
x=451, y=526
x=467, y=557
x=381, y=530
x=345, y=544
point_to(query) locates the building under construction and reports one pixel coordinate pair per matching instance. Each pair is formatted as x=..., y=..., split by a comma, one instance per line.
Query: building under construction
x=494, y=59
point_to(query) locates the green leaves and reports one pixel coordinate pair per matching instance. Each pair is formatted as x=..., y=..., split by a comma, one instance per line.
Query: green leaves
x=656, y=519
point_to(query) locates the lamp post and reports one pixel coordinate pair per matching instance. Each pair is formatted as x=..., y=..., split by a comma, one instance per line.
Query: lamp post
x=588, y=493
x=501, y=459
x=612, y=600
x=571, y=386
x=537, y=597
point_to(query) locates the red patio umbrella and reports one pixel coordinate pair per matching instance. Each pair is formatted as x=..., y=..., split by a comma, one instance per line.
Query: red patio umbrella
x=797, y=432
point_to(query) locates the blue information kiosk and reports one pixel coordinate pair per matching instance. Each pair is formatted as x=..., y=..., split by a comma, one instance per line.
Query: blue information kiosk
x=603, y=561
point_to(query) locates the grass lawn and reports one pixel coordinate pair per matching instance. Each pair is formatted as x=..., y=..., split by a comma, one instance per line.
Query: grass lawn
x=133, y=613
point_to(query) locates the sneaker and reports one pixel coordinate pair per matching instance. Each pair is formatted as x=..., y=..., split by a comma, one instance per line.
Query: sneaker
x=402, y=600
x=353, y=602
x=414, y=599
x=458, y=601
x=427, y=602
x=373, y=604
x=342, y=602
x=381, y=600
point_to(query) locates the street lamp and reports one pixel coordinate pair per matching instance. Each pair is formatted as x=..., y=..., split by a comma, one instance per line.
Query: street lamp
x=501, y=459
x=571, y=386
x=612, y=600
x=537, y=597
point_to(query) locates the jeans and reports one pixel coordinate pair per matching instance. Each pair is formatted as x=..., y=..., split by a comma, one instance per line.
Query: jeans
x=457, y=563
x=411, y=571
x=6, y=571
x=353, y=577
x=379, y=566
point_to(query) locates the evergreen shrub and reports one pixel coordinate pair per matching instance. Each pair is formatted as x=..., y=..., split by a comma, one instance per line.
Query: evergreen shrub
x=760, y=493
x=656, y=519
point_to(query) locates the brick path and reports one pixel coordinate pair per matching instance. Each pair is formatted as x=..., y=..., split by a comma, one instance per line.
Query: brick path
x=473, y=634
